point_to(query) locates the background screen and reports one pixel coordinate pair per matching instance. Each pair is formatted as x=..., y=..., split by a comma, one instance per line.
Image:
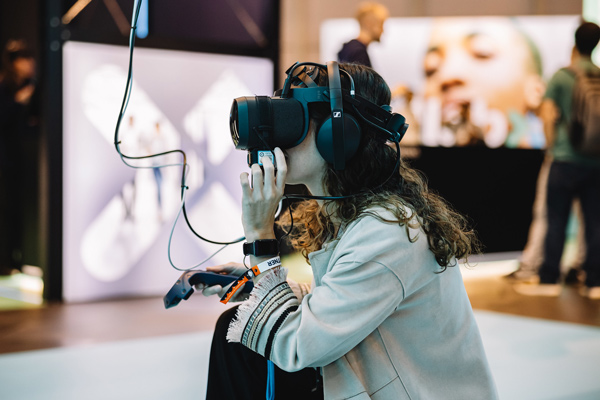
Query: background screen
x=117, y=219
x=466, y=81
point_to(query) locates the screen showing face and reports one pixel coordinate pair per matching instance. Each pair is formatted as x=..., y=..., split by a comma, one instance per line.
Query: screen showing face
x=468, y=81
x=117, y=219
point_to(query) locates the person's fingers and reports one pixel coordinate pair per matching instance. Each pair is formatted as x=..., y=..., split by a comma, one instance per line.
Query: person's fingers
x=229, y=268
x=218, y=268
x=199, y=287
x=281, y=169
x=269, y=175
x=257, y=179
x=212, y=290
x=246, y=189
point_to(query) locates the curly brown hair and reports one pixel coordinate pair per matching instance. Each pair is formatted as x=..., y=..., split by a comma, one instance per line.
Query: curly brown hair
x=405, y=194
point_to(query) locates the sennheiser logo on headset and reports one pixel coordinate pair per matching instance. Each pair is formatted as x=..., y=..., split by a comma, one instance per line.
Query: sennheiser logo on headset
x=261, y=123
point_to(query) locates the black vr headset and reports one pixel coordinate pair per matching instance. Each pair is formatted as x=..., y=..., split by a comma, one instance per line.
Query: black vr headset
x=261, y=123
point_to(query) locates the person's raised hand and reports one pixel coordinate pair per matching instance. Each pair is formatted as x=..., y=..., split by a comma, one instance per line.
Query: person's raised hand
x=261, y=199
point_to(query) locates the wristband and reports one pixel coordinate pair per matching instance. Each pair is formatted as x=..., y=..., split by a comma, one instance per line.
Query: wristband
x=262, y=248
x=245, y=277
x=251, y=273
x=266, y=265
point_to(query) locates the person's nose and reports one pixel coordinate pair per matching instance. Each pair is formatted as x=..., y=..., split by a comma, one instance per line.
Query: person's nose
x=448, y=84
x=452, y=71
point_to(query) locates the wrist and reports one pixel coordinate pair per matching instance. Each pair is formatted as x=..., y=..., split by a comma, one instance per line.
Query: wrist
x=260, y=235
x=254, y=260
x=262, y=248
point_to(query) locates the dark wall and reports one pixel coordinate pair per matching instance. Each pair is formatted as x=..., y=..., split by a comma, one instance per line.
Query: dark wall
x=22, y=20
x=240, y=27
x=494, y=188
x=249, y=27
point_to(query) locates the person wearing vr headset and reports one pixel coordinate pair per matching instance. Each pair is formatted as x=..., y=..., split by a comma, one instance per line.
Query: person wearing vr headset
x=387, y=315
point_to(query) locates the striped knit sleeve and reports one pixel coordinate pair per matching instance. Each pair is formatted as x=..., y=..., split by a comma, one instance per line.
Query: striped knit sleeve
x=258, y=318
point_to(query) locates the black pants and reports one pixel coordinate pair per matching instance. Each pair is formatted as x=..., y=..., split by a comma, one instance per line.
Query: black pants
x=237, y=373
x=567, y=181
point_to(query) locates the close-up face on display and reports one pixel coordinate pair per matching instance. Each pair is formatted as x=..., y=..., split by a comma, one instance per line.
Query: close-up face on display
x=468, y=60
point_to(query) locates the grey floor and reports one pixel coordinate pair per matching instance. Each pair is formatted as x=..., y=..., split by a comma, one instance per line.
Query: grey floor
x=531, y=358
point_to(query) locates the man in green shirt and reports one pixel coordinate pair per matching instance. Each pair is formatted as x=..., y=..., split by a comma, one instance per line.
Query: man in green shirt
x=572, y=175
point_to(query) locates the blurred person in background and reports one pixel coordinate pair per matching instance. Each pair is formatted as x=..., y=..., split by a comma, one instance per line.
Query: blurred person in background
x=371, y=17
x=572, y=175
x=533, y=253
x=18, y=120
x=489, y=70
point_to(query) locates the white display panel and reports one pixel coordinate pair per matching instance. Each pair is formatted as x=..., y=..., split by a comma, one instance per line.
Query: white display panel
x=116, y=219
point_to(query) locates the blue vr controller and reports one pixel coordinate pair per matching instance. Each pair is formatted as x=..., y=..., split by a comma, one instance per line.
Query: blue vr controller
x=184, y=287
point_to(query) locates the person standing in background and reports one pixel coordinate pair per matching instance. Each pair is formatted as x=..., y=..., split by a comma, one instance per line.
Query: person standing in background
x=18, y=121
x=533, y=253
x=572, y=175
x=371, y=17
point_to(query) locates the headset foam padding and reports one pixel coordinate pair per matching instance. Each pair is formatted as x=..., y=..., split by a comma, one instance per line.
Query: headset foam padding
x=288, y=123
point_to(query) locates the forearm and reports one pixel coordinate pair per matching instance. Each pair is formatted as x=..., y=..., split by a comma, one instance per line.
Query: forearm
x=549, y=115
x=260, y=316
x=324, y=325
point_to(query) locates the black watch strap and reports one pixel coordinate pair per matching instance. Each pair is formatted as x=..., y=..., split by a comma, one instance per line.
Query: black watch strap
x=261, y=248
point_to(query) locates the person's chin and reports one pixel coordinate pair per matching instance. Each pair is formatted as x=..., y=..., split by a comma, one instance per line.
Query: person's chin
x=286, y=156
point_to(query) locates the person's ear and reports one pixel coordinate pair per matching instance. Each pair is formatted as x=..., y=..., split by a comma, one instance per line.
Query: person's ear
x=534, y=89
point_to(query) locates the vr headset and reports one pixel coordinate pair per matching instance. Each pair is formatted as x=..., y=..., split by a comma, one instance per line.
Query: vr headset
x=258, y=124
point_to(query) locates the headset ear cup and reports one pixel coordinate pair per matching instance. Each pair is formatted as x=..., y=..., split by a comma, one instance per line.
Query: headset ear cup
x=352, y=136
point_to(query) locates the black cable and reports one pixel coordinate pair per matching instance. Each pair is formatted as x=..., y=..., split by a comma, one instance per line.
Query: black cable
x=117, y=142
